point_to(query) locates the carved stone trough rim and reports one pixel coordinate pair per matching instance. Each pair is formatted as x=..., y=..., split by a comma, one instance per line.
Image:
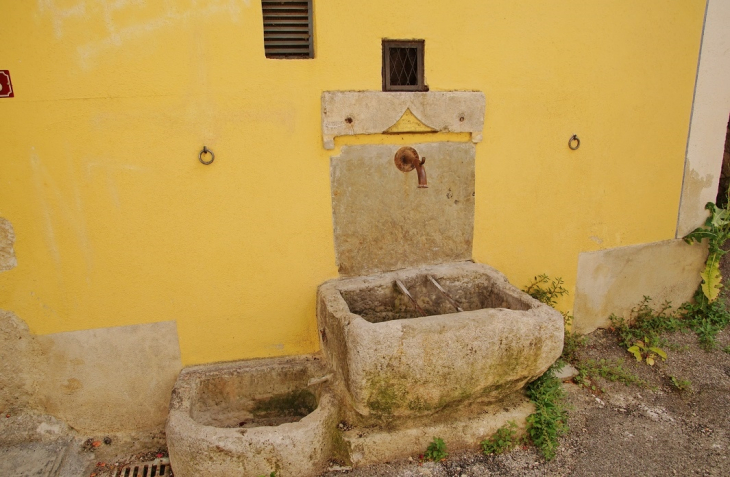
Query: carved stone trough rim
x=451, y=268
x=188, y=382
x=353, y=368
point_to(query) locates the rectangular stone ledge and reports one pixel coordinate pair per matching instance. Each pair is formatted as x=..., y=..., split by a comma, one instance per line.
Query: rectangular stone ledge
x=346, y=113
x=370, y=446
x=615, y=280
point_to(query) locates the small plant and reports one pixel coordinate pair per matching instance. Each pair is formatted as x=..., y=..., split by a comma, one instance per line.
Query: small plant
x=436, y=450
x=706, y=318
x=545, y=290
x=503, y=440
x=682, y=385
x=572, y=342
x=716, y=230
x=646, y=323
x=708, y=315
x=726, y=349
x=550, y=419
x=610, y=370
x=642, y=350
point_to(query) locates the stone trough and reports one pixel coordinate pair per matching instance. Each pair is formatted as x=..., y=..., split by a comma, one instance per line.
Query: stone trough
x=394, y=363
x=252, y=418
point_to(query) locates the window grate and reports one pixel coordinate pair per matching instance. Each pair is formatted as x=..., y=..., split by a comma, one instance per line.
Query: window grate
x=403, y=66
x=288, y=28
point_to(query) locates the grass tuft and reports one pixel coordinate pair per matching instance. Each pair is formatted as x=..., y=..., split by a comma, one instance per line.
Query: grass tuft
x=550, y=419
x=502, y=441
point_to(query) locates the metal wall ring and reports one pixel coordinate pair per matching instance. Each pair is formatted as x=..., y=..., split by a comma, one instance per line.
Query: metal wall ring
x=574, y=138
x=206, y=151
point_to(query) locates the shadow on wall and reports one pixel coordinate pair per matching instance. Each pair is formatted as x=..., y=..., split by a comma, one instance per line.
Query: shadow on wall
x=724, y=188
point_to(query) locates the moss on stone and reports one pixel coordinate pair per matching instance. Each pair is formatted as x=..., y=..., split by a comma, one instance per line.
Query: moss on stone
x=297, y=403
x=386, y=395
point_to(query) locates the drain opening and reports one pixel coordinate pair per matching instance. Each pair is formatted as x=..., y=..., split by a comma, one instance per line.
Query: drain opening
x=156, y=468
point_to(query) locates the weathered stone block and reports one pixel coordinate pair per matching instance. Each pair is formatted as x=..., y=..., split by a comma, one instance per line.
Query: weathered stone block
x=396, y=365
x=383, y=221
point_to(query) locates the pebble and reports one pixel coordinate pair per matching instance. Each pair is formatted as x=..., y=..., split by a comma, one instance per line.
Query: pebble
x=568, y=372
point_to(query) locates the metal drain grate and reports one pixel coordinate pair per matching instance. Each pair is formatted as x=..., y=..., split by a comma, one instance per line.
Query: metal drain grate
x=156, y=468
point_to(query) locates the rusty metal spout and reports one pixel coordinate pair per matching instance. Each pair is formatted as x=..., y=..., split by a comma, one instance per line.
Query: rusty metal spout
x=406, y=159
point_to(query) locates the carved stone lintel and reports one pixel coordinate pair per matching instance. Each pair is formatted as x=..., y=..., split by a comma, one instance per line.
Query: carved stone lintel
x=346, y=113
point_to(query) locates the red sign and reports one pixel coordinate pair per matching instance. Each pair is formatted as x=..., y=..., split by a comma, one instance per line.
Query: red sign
x=6, y=87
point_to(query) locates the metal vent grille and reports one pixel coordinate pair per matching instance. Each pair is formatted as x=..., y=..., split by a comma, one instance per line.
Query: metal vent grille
x=403, y=66
x=288, y=28
x=156, y=468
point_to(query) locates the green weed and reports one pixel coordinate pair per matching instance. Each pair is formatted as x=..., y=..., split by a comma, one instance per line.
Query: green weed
x=646, y=324
x=643, y=351
x=436, y=450
x=716, y=230
x=708, y=315
x=547, y=291
x=706, y=318
x=550, y=419
x=503, y=440
x=682, y=385
x=572, y=342
x=613, y=371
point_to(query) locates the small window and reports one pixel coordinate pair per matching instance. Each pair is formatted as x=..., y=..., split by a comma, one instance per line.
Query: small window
x=403, y=65
x=288, y=28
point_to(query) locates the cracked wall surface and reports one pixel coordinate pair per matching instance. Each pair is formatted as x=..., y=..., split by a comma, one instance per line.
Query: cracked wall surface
x=7, y=239
x=103, y=380
x=18, y=374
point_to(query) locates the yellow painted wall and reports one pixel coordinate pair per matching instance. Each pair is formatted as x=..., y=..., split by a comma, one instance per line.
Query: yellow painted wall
x=117, y=223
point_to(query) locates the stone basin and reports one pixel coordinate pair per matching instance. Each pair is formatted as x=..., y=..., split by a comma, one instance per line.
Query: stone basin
x=252, y=418
x=392, y=363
